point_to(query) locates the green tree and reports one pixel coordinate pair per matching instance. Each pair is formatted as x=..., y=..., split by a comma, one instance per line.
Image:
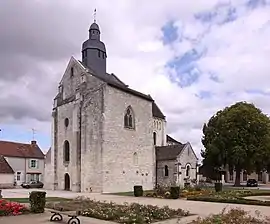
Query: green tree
x=237, y=137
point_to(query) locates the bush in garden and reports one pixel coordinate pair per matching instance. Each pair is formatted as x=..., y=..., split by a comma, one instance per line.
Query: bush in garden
x=138, y=191
x=37, y=201
x=232, y=216
x=175, y=192
x=8, y=208
x=121, y=213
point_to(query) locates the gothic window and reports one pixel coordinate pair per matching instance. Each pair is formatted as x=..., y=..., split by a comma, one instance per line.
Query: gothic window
x=187, y=171
x=99, y=53
x=129, y=121
x=66, y=151
x=104, y=55
x=135, y=158
x=155, y=138
x=166, y=171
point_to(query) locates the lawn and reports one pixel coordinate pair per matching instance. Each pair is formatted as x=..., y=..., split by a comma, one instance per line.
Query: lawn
x=124, y=213
x=234, y=196
x=26, y=200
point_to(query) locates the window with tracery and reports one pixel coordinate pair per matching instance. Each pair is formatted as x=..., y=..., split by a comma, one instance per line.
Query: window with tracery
x=129, y=121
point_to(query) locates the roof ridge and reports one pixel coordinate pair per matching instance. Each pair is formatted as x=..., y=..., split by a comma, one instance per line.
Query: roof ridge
x=22, y=143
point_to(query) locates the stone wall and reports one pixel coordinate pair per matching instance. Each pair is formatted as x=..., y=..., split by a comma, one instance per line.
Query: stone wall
x=122, y=169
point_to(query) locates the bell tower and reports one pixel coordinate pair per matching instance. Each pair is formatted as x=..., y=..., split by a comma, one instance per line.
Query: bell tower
x=94, y=51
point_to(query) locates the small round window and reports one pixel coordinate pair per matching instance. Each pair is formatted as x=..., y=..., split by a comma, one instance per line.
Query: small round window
x=66, y=122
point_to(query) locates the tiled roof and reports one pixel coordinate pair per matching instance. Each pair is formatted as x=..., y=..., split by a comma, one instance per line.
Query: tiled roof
x=168, y=152
x=5, y=167
x=23, y=150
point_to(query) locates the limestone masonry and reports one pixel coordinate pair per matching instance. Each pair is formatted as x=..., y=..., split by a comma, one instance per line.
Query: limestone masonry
x=107, y=137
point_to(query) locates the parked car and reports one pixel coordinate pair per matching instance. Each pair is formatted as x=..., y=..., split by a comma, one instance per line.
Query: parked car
x=252, y=183
x=33, y=184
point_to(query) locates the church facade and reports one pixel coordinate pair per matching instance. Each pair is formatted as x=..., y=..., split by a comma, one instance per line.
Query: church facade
x=104, y=134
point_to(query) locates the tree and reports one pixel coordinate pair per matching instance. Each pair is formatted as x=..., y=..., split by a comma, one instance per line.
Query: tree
x=237, y=137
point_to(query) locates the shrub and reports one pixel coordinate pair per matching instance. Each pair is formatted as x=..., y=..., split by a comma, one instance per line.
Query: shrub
x=124, y=213
x=11, y=208
x=218, y=187
x=138, y=191
x=175, y=192
x=37, y=201
x=232, y=216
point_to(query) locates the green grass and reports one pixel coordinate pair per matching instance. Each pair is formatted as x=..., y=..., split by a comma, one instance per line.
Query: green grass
x=49, y=199
x=131, y=193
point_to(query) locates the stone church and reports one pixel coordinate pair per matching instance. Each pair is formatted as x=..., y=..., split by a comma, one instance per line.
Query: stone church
x=107, y=137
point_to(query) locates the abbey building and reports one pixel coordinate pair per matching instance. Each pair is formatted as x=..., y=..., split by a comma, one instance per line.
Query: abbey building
x=107, y=137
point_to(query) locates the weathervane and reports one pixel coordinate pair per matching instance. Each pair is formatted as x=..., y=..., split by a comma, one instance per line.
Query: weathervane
x=95, y=15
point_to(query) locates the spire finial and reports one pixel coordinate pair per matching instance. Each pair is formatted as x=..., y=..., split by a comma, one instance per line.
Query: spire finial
x=95, y=15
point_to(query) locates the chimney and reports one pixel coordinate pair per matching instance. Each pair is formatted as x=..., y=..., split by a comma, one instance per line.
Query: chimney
x=33, y=142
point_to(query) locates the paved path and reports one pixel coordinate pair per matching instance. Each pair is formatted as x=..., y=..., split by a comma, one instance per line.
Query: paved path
x=195, y=207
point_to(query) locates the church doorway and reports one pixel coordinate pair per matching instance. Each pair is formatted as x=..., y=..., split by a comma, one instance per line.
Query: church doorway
x=67, y=182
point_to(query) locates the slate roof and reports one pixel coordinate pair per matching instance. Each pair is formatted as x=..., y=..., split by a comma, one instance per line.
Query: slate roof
x=156, y=111
x=23, y=150
x=170, y=139
x=5, y=167
x=169, y=152
x=114, y=81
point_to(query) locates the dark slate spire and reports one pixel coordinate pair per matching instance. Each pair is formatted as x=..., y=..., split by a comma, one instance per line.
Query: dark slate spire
x=94, y=51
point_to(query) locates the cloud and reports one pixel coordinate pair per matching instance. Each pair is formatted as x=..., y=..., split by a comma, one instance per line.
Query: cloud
x=193, y=57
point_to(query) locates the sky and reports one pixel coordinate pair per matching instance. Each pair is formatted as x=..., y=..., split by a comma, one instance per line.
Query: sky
x=194, y=57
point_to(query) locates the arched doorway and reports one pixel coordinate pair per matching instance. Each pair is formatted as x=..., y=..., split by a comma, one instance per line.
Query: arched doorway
x=67, y=182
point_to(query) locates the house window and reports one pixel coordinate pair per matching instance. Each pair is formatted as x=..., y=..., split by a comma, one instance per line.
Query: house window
x=129, y=121
x=33, y=163
x=155, y=138
x=166, y=171
x=135, y=158
x=260, y=176
x=66, y=151
x=18, y=177
x=187, y=171
x=244, y=176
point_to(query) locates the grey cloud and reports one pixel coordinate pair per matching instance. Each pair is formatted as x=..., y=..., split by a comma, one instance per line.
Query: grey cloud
x=37, y=39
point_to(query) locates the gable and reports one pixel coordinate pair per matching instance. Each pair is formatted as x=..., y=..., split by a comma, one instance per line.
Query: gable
x=5, y=168
x=71, y=79
x=188, y=155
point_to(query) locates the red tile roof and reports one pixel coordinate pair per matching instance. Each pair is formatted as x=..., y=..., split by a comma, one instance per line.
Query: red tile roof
x=23, y=150
x=5, y=167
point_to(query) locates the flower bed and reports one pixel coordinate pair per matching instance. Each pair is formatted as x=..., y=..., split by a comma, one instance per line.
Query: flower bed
x=232, y=196
x=232, y=216
x=8, y=208
x=127, y=213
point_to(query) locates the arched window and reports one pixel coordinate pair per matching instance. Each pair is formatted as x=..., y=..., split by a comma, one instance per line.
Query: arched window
x=187, y=171
x=166, y=171
x=155, y=138
x=129, y=121
x=66, y=151
x=135, y=158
